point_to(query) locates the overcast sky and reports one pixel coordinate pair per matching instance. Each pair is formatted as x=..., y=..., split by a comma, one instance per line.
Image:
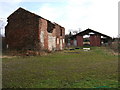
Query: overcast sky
x=99, y=15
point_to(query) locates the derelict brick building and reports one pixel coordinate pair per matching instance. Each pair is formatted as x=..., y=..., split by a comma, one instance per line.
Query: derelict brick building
x=26, y=30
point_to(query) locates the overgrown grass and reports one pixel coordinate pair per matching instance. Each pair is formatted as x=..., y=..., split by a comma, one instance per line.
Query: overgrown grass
x=67, y=69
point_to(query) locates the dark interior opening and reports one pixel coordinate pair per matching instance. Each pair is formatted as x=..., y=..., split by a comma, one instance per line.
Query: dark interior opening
x=60, y=32
x=50, y=27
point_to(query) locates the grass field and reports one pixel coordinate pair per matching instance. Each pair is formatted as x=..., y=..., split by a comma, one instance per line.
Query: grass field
x=96, y=68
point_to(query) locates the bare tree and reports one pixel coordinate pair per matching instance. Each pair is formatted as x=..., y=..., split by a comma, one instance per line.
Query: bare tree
x=79, y=29
x=75, y=31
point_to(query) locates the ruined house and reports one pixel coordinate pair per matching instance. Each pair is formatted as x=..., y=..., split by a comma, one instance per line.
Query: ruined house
x=26, y=30
x=90, y=37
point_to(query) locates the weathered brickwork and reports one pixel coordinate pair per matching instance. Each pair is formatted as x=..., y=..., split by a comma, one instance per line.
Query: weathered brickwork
x=21, y=30
x=26, y=30
x=60, y=37
x=79, y=40
x=95, y=40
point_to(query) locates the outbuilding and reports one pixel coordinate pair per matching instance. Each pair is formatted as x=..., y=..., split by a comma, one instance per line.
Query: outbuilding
x=90, y=37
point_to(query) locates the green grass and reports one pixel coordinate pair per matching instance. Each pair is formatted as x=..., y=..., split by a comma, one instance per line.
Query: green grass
x=67, y=69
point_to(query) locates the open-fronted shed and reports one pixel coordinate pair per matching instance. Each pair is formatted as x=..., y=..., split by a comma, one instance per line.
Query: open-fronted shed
x=90, y=37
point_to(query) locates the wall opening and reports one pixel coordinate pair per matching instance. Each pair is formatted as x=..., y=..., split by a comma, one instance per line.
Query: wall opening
x=60, y=32
x=50, y=27
x=86, y=40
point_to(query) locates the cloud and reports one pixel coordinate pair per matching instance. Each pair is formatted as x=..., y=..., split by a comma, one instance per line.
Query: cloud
x=6, y=8
x=99, y=15
x=33, y=1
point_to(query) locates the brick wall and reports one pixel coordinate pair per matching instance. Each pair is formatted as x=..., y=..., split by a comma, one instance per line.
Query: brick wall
x=50, y=35
x=95, y=40
x=79, y=40
x=26, y=30
x=63, y=36
x=92, y=40
x=57, y=27
x=98, y=40
x=60, y=37
x=43, y=36
x=21, y=30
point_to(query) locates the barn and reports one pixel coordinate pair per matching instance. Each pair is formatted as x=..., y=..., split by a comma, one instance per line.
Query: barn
x=28, y=31
x=90, y=37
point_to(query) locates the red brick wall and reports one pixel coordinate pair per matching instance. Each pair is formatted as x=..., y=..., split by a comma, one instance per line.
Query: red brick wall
x=92, y=40
x=95, y=40
x=60, y=30
x=79, y=40
x=55, y=32
x=57, y=27
x=98, y=40
x=21, y=30
x=26, y=30
x=63, y=36
x=43, y=28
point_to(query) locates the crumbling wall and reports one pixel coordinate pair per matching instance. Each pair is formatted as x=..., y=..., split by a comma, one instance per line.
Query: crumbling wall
x=21, y=30
x=26, y=30
x=50, y=27
x=60, y=37
x=43, y=36
x=63, y=37
x=52, y=38
x=57, y=28
x=47, y=35
x=61, y=44
x=51, y=42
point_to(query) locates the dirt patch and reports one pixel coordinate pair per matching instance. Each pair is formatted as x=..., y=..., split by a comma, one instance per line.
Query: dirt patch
x=11, y=54
x=7, y=56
